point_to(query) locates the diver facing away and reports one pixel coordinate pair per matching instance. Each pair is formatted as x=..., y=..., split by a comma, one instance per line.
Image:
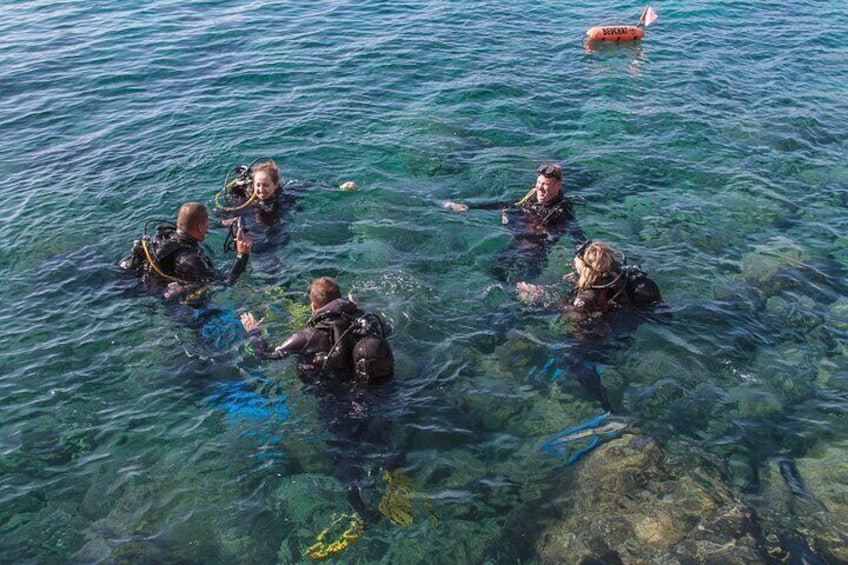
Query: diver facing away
x=342, y=352
x=339, y=340
x=601, y=284
x=604, y=284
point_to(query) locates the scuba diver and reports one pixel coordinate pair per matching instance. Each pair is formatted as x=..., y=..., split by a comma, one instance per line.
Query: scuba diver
x=256, y=187
x=173, y=257
x=604, y=285
x=603, y=292
x=537, y=222
x=339, y=341
x=607, y=301
x=255, y=194
x=341, y=351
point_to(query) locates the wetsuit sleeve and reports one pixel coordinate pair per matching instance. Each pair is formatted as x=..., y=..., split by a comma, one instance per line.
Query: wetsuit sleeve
x=294, y=345
x=196, y=267
x=472, y=205
x=585, y=300
x=237, y=269
x=489, y=206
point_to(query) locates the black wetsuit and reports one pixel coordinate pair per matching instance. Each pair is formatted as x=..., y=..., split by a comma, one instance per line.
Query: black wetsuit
x=536, y=227
x=608, y=293
x=264, y=217
x=178, y=260
x=267, y=212
x=359, y=431
x=183, y=257
x=314, y=345
x=604, y=313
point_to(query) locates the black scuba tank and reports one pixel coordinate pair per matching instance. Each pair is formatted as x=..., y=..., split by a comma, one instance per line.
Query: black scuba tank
x=641, y=290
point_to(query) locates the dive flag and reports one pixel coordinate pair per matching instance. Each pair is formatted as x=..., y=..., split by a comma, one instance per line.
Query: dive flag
x=648, y=16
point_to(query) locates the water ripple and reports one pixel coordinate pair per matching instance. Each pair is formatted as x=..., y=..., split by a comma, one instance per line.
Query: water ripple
x=712, y=153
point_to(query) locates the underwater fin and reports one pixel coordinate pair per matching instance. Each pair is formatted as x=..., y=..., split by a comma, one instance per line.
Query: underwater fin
x=396, y=504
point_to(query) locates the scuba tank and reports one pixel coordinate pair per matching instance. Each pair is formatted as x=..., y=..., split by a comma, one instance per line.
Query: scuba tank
x=359, y=341
x=372, y=355
x=641, y=290
x=149, y=247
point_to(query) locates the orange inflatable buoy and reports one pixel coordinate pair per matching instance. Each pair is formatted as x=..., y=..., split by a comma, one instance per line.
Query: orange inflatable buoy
x=615, y=33
x=623, y=32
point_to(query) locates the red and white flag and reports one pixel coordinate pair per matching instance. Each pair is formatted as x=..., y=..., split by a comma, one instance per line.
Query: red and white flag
x=648, y=16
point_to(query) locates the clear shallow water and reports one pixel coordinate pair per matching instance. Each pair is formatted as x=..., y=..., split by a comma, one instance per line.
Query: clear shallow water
x=712, y=153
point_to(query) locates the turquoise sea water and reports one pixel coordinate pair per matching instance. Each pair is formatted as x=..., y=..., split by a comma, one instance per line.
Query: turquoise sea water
x=712, y=152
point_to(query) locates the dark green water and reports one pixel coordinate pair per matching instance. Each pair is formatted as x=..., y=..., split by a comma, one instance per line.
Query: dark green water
x=713, y=153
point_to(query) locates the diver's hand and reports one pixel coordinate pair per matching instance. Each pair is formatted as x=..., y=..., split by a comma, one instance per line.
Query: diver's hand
x=527, y=292
x=455, y=206
x=229, y=221
x=243, y=243
x=174, y=290
x=250, y=322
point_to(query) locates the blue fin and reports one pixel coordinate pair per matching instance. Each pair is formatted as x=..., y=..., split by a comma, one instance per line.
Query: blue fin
x=561, y=444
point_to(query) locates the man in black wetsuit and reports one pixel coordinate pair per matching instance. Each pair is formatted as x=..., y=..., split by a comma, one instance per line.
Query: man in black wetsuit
x=328, y=350
x=339, y=341
x=173, y=256
x=537, y=222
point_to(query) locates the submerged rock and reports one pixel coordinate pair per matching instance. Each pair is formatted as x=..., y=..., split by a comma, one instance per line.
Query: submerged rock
x=809, y=495
x=633, y=501
x=765, y=262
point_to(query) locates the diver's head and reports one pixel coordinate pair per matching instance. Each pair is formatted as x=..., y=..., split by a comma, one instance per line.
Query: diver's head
x=266, y=179
x=322, y=291
x=193, y=220
x=549, y=182
x=592, y=261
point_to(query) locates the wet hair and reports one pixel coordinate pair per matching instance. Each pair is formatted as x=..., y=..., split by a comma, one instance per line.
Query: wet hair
x=550, y=170
x=323, y=290
x=269, y=167
x=593, y=260
x=191, y=215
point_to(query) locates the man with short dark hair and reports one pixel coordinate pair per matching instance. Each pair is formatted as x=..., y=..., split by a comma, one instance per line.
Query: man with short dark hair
x=322, y=291
x=536, y=224
x=328, y=347
x=190, y=262
x=173, y=255
x=328, y=344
